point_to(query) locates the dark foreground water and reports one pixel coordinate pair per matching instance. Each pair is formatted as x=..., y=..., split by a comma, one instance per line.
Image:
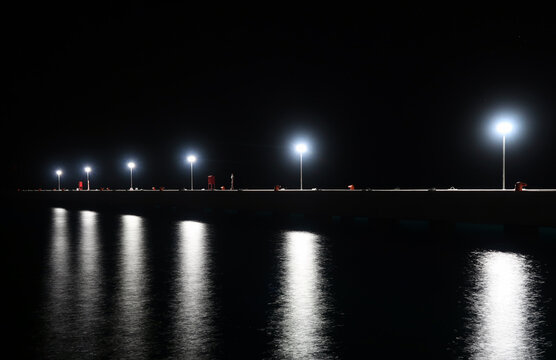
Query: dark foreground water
x=90, y=284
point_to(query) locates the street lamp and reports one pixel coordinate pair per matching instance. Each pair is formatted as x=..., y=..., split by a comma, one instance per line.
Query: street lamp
x=59, y=173
x=191, y=159
x=88, y=170
x=131, y=166
x=301, y=148
x=504, y=128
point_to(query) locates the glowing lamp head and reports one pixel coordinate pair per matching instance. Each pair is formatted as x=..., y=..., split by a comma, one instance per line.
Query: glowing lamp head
x=58, y=172
x=191, y=158
x=504, y=127
x=87, y=169
x=131, y=165
x=301, y=148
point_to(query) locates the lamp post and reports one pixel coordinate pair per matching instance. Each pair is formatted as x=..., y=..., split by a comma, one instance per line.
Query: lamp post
x=88, y=170
x=301, y=148
x=191, y=159
x=131, y=166
x=59, y=173
x=504, y=128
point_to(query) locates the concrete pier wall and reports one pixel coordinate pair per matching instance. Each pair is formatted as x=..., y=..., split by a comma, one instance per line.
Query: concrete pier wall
x=528, y=208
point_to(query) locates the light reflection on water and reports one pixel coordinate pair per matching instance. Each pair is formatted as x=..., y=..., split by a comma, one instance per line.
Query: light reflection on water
x=505, y=309
x=89, y=281
x=58, y=309
x=132, y=307
x=194, y=333
x=302, y=301
x=99, y=301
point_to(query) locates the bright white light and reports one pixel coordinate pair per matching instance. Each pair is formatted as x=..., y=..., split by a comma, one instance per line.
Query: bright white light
x=87, y=169
x=89, y=264
x=504, y=127
x=60, y=275
x=194, y=307
x=131, y=289
x=131, y=165
x=191, y=158
x=302, y=302
x=503, y=307
x=301, y=148
x=58, y=172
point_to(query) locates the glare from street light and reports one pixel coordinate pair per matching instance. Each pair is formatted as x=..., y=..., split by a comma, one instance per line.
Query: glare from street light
x=504, y=127
x=59, y=173
x=301, y=148
x=88, y=170
x=191, y=159
x=131, y=165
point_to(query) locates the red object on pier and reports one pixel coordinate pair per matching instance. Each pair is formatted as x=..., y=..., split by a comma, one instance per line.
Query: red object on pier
x=81, y=185
x=351, y=187
x=211, y=182
x=519, y=186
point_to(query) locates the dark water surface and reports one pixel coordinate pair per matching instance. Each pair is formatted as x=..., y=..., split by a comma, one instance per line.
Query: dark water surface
x=108, y=285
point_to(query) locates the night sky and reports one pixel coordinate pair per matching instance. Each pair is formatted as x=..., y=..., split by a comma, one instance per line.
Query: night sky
x=384, y=99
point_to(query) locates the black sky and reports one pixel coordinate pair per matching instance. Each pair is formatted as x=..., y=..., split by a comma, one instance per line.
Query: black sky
x=385, y=98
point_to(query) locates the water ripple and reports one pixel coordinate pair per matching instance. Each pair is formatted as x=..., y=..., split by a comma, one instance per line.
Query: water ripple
x=504, y=307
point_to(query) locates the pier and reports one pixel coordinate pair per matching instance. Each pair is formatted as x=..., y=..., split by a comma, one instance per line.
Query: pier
x=526, y=208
